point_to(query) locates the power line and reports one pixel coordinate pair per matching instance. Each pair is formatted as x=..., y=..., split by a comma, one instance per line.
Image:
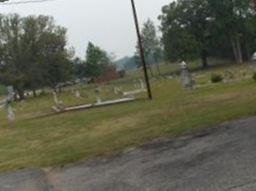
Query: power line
x=25, y=2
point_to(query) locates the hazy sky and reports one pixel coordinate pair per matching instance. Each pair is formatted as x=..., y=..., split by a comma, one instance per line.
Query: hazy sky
x=107, y=23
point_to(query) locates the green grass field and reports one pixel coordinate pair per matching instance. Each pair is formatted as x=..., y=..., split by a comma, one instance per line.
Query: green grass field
x=32, y=141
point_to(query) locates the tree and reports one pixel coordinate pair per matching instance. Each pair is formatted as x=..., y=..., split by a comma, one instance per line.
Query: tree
x=209, y=28
x=33, y=53
x=151, y=45
x=80, y=68
x=97, y=60
x=191, y=21
x=178, y=43
x=231, y=18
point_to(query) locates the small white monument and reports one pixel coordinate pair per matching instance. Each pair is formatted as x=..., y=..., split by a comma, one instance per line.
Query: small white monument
x=97, y=93
x=115, y=90
x=186, y=78
x=11, y=115
x=7, y=104
x=78, y=94
x=142, y=86
x=56, y=99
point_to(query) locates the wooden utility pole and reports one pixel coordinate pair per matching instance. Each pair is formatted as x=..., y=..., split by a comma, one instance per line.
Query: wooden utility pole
x=142, y=55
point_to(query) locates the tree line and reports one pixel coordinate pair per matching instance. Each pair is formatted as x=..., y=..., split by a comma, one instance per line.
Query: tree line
x=208, y=28
x=34, y=54
x=193, y=29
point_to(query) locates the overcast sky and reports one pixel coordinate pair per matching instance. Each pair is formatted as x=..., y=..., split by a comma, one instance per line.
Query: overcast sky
x=107, y=23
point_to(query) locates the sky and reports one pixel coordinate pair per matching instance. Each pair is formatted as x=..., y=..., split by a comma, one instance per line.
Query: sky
x=107, y=23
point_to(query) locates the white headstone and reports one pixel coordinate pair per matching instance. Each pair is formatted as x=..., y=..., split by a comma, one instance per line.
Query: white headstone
x=142, y=84
x=8, y=102
x=97, y=93
x=56, y=99
x=116, y=91
x=77, y=94
x=186, y=78
x=10, y=113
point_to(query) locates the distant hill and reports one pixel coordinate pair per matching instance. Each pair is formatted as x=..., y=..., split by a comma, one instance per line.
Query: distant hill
x=126, y=63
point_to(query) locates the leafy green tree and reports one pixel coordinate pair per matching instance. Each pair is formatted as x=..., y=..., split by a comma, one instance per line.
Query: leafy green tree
x=13, y=67
x=187, y=22
x=179, y=44
x=80, y=68
x=33, y=53
x=97, y=60
x=208, y=28
x=151, y=44
x=231, y=18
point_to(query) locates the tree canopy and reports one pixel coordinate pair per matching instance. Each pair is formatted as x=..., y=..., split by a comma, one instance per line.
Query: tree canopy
x=203, y=28
x=33, y=52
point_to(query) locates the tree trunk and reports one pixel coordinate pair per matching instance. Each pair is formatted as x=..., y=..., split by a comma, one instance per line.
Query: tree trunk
x=234, y=49
x=204, y=58
x=16, y=97
x=34, y=93
x=247, y=51
x=239, y=50
x=20, y=93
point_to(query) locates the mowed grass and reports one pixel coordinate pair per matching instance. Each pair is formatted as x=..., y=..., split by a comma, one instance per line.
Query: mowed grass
x=69, y=137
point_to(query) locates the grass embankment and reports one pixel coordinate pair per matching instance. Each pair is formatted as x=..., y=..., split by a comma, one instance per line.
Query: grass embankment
x=69, y=137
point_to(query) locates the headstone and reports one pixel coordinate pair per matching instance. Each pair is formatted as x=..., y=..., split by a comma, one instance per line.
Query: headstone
x=186, y=78
x=77, y=94
x=115, y=90
x=8, y=103
x=97, y=93
x=142, y=86
x=10, y=113
x=56, y=99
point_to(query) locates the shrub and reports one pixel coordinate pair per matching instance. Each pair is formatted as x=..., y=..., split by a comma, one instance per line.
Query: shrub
x=216, y=78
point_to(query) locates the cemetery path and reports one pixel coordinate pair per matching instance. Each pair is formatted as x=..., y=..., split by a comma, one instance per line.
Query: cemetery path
x=222, y=158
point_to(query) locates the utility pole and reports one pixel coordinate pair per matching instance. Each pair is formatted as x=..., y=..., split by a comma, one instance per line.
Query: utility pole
x=142, y=55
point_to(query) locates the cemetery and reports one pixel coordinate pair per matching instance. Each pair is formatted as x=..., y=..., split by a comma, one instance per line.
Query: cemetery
x=93, y=97
x=57, y=128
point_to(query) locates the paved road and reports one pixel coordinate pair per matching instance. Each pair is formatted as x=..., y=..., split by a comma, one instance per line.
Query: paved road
x=223, y=158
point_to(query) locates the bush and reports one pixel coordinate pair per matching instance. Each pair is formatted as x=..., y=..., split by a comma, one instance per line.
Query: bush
x=254, y=76
x=216, y=78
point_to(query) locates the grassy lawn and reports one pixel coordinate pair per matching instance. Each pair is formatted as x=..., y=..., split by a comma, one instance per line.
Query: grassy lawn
x=60, y=139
